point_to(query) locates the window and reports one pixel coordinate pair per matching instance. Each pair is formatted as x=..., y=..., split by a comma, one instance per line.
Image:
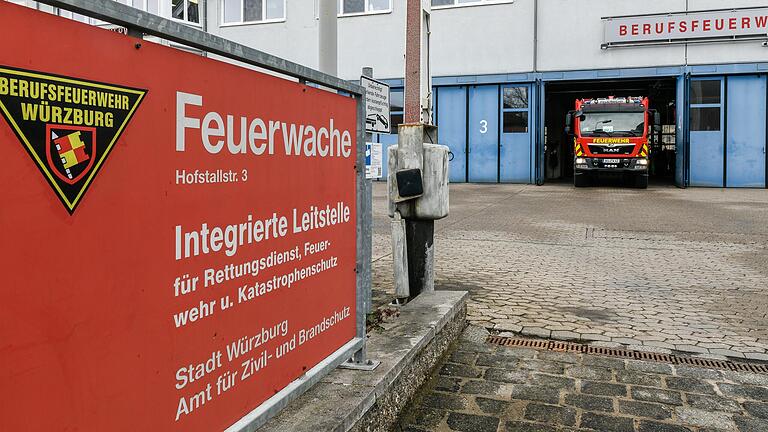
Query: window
x=396, y=104
x=151, y=6
x=706, y=99
x=186, y=10
x=705, y=92
x=253, y=11
x=454, y=3
x=515, y=109
x=353, y=7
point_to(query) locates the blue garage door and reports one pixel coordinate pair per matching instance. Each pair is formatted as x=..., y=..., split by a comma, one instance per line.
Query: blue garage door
x=484, y=134
x=707, y=146
x=515, y=153
x=745, y=146
x=452, y=128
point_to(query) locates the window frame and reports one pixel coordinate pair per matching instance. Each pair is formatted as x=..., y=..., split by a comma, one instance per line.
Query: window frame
x=475, y=3
x=526, y=110
x=720, y=106
x=367, y=12
x=223, y=23
x=166, y=11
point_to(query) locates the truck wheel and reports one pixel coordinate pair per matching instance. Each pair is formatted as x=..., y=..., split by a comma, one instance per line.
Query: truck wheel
x=580, y=180
x=641, y=182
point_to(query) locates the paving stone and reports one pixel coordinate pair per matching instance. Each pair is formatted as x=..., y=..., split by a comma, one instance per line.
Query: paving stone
x=756, y=356
x=444, y=401
x=650, y=394
x=553, y=381
x=606, y=362
x=652, y=426
x=606, y=423
x=702, y=418
x=478, y=387
x=689, y=385
x=448, y=384
x=700, y=373
x=459, y=370
x=495, y=360
x=426, y=417
x=649, y=367
x=491, y=406
x=472, y=423
x=746, y=378
x=506, y=376
x=603, y=389
x=542, y=366
x=589, y=403
x=536, y=393
x=550, y=414
x=645, y=409
x=463, y=357
x=518, y=426
x=744, y=391
x=712, y=403
x=557, y=357
x=590, y=373
x=638, y=378
x=745, y=424
x=757, y=409
x=536, y=331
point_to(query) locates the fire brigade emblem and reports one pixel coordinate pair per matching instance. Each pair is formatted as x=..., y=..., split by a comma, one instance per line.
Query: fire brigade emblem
x=68, y=126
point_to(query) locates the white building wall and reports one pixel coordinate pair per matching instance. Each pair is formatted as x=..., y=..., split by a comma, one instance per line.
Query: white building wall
x=727, y=52
x=571, y=32
x=295, y=39
x=376, y=41
x=488, y=39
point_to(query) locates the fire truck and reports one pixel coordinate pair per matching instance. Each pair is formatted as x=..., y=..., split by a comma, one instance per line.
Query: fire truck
x=612, y=135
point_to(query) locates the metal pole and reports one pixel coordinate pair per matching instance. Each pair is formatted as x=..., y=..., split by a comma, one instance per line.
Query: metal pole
x=360, y=360
x=328, y=37
x=413, y=62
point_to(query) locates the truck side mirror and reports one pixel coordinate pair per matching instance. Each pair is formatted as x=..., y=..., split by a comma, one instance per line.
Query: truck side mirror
x=568, y=122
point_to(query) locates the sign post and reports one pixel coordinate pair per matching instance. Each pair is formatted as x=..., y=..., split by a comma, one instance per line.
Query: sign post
x=182, y=250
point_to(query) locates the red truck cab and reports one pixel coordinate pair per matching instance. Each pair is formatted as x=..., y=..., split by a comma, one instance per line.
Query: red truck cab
x=612, y=135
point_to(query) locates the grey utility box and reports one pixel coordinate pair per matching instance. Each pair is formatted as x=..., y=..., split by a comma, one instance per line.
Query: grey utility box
x=433, y=203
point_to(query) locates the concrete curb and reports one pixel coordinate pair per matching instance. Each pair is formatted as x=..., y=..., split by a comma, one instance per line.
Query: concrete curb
x=371, y=401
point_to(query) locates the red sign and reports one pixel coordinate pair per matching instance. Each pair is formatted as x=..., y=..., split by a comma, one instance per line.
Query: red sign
x=178, y=233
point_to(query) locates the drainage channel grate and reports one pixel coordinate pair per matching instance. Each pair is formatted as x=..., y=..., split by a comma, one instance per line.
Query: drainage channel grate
x=571, y=347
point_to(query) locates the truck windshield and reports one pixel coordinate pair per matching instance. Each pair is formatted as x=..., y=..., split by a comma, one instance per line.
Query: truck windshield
x=626, y=124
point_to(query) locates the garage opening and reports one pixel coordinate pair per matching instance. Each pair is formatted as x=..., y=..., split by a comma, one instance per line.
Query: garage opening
x=561, y=97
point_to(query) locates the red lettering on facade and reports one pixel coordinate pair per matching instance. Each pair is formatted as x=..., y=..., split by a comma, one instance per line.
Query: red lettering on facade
x=732, y=23
x=622, y=30
x=683, y=26
x=646, y=29
x=761, y=21
x=635, y=29
x=746, y=23
x=707, y=25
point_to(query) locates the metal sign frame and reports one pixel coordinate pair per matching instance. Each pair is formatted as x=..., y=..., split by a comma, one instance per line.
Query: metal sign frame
x=385, y=118
x=140, y=23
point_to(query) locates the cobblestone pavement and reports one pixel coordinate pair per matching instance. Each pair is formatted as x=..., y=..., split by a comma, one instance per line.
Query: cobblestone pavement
x=487, y=388
x=658, y=269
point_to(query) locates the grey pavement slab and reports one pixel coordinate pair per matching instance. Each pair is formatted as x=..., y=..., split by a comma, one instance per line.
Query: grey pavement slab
x=661, y=270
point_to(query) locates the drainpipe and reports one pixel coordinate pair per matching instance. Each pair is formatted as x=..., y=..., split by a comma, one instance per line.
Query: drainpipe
x=328, y=37
x=535, y=36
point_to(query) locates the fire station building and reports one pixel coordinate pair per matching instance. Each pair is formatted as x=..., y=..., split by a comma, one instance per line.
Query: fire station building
x=506, y=73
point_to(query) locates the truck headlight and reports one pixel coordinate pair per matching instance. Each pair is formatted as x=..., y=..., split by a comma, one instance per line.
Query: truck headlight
x=642, y=162
x=581, y=161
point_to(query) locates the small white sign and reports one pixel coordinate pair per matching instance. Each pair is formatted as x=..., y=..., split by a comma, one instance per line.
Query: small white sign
x=373, y=160
x=718, y=24
x=376, y=105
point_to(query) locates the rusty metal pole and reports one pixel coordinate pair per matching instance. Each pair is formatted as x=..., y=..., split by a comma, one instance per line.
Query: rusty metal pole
x=419, y=234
